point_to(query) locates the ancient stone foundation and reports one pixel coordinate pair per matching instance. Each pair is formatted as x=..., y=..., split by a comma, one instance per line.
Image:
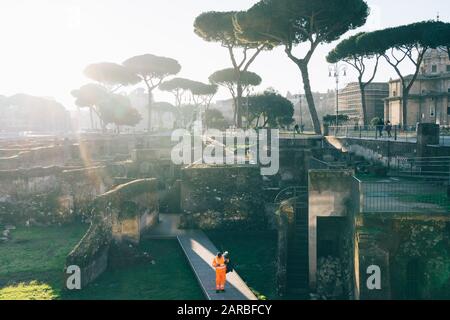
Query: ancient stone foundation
x=51, y=195
x=222, y=197
x=119, y=215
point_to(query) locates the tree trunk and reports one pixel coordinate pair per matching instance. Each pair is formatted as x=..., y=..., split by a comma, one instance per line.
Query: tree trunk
x=150, y=98
x=363, y=104
x=92, y=118
x=234, y=111
x=405, y=98
x=161, y=121
x=309, y=97
x=239, y=105
x=102, y=123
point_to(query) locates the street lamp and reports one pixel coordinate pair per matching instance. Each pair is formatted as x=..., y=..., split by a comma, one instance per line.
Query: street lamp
x=337, y=71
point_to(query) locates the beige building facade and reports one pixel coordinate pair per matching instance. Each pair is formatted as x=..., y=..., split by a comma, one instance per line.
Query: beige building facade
x=350, y=101
x=429, y=98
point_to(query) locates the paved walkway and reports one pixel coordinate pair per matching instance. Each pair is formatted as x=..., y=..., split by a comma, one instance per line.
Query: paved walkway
x=167, y=228
x=200, y=252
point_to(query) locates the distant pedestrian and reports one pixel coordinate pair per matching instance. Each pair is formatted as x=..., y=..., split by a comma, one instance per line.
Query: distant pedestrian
x=388, y=128
x=380, y=125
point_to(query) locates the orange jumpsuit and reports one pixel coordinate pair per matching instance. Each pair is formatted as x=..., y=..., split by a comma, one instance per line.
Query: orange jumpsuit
x=221, y=272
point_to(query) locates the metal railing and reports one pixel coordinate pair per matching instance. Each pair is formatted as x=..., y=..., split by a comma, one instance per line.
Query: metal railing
x=444, y=136
x=430, y=168
x=397, y=133
x=317, y=164
x=292, y=134
x=291, y=192
x=404, y=197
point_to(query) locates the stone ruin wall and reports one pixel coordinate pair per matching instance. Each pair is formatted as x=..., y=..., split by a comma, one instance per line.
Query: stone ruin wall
x=396, y=242
x=46, y=181
x=221, y=197
x=120, y=215
x=50, y=195
x=83, y=151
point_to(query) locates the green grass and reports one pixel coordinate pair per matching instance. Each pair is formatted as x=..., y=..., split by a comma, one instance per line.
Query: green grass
x=37, y=254
x=169, y=279
x=254, y=255
x=32, y=268
x=28, y=291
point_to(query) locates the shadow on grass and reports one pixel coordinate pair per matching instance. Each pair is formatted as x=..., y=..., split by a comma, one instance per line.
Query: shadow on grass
x=170, y=278
x=254, y=256
x=32, y=268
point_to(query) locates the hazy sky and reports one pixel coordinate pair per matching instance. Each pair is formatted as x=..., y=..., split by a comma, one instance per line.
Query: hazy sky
x=47, y=43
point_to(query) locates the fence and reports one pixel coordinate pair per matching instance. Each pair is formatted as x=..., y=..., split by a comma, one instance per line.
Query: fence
x=404, y=197
x=444, y=136
x=432, y=168
x=317, y=164
x=292, y=134
x=406, y=134
x=292, y=192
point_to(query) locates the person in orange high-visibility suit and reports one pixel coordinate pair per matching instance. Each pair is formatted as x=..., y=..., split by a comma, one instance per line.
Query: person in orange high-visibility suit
x=219, y=263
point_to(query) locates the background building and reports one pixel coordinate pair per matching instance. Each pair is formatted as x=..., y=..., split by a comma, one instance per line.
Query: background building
x=226, y=107
x=350, y=101
x=25, y=113
x=161, y=119
x=429, y=96
x=325, y=104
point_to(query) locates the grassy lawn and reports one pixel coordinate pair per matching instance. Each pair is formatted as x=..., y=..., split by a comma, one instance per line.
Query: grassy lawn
x=38, y=249
x=32, y=264
x=254, y=255
x=170, y=278
x=32, y=268
x=28, y=291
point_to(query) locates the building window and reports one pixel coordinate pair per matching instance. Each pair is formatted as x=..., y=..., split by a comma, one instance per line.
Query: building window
x=394, y=93
x=432, y=112
x=448, y=110
x=448, y=68
x=434, y=68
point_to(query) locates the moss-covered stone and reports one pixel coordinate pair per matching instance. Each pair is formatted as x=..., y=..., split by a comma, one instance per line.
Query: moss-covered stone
x=419, y=253
x=222, y=197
